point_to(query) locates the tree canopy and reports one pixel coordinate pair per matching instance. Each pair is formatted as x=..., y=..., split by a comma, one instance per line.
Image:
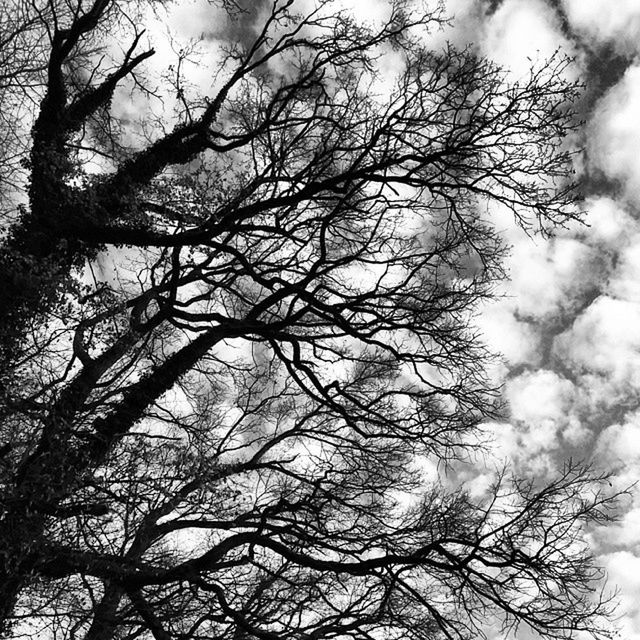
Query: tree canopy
x=238, y=326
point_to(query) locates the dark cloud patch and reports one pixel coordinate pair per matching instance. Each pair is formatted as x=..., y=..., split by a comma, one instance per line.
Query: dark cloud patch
x=492, y=5
x=605, y=67
x=604, y=64
x=595, y=182
x=563, y=19
x=244, y=16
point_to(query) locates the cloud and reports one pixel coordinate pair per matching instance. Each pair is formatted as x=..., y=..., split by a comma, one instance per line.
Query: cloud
x=619, y=446
x=602, y=351
x=377, y=11
x=599, y=348
x=625, y=281
x=604, y=339
x=535, y=397
x=542, y=421
x=550, y=278
x=511, y=443
x=517, y=341
x=608, y=225
x=605, y=21
x=623, y=569
x=521, y=32
x=615, y=134
x=192, y=20
x=466, y=26
x=618, y=451
x=541, y=405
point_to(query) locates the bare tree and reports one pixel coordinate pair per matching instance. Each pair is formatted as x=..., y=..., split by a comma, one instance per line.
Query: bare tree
x=225, y=441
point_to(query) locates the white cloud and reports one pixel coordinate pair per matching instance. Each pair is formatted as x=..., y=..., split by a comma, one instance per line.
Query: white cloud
x=625, y=280
x=517, y=341
x=522, y=31
x=542, y=419
x=191, y=20
x=601, y=350
x=619, y=444
x=541, y=404
x=615, y=134
x=618, y=450
x=600, y=394
x=608, y=223
x=536, y=397
x=466, y=24
x=527, y=452
x=505, y=440
x=575, y=433
x=376, y=11
x=607, y=21
x=548, y=278
x=604, y=339
x=623, y=568
x=621, y=535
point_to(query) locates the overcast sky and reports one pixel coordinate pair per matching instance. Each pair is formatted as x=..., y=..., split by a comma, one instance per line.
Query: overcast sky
x=569, y=324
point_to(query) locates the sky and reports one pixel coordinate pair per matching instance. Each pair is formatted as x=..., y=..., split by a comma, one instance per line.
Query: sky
x=568, y=325
x=568, y=321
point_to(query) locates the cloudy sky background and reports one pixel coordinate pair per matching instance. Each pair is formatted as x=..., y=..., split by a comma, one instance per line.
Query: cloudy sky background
x=569, y=322
x=569, y=325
